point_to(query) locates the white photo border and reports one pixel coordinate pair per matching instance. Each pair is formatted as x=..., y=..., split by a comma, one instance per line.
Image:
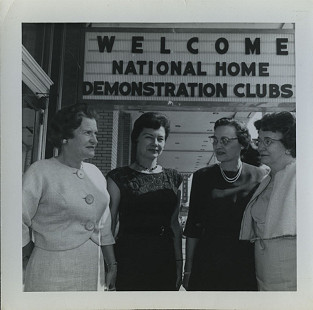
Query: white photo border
x=14, y=13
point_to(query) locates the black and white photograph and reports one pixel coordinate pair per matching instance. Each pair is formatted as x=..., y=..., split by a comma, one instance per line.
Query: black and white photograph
x=156, y=162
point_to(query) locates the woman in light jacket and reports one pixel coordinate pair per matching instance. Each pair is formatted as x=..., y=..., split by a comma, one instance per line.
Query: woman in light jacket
x=270, y=217
x=66, y=208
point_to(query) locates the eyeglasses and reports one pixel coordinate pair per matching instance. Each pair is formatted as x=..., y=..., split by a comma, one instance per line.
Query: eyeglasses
x=224, y=140
x=267, y=141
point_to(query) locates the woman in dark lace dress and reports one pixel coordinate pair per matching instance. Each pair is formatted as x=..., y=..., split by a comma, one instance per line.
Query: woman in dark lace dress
x=144, y=207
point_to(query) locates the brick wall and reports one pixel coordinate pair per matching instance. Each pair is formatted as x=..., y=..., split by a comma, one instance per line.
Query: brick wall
x=107, y=137
x=124, y=139
x=113, y=150
x=115, y=130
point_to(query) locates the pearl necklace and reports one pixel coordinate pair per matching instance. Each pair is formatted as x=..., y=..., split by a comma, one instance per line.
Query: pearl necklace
x=233, y=179
x=146, y=168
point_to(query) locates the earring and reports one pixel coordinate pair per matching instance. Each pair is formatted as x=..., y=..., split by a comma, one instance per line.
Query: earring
x=64, y=141
x=287, y=152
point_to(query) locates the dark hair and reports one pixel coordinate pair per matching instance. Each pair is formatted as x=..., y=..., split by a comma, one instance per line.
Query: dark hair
x=66, y=120
x=152, y=120
x=283, y=122
x=251, y=155
x=242, y=132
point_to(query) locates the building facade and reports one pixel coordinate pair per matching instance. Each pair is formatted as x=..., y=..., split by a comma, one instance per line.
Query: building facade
x=193, y=73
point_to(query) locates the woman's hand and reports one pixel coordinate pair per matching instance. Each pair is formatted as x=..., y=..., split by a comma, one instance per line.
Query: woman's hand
x=110, y=267
x=110, y=277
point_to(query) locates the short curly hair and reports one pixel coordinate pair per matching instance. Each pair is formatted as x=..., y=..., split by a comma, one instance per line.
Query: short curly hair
x=283, y=122
x=242, y=132
x=152, y=120
x=66, y=120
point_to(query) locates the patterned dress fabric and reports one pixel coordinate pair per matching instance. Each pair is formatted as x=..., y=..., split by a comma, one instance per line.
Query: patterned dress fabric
x=144, y=245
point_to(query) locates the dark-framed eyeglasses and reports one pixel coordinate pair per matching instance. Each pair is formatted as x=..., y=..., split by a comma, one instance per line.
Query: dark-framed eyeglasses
x=267, y=141
x=223, y=140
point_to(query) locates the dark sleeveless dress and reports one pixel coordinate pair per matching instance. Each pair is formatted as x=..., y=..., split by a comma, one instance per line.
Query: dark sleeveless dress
x=221, y=261
x=144, y=246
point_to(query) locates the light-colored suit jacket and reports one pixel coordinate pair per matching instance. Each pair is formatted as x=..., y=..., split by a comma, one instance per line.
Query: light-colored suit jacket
x=64, y=206
x=280, y=218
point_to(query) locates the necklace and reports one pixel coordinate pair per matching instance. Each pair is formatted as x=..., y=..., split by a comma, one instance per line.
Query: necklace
x=233, y=179
x=146, y=168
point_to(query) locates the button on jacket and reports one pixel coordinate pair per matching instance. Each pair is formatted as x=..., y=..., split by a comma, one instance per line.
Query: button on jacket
x=65, y=206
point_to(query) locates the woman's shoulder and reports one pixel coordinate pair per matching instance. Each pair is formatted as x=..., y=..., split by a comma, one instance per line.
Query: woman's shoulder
x=39, y=171
x=92, y=170
x=206, y=171
x=90, y=167
x=289, y=171
x=171, y=171
x=174, y=175
x=42, y=165
x=291, y=167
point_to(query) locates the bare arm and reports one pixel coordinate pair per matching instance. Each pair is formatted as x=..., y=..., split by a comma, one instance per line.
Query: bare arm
x=108, y=250
x=108, y=254
x=115, y=197
x=111, y=266
x=177, y=231
x=191, y=244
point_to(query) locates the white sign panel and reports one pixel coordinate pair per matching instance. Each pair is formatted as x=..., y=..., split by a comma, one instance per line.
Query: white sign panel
x=244, y=67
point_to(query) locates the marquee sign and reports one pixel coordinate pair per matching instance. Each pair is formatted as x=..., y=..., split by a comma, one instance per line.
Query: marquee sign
x=242, y=66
